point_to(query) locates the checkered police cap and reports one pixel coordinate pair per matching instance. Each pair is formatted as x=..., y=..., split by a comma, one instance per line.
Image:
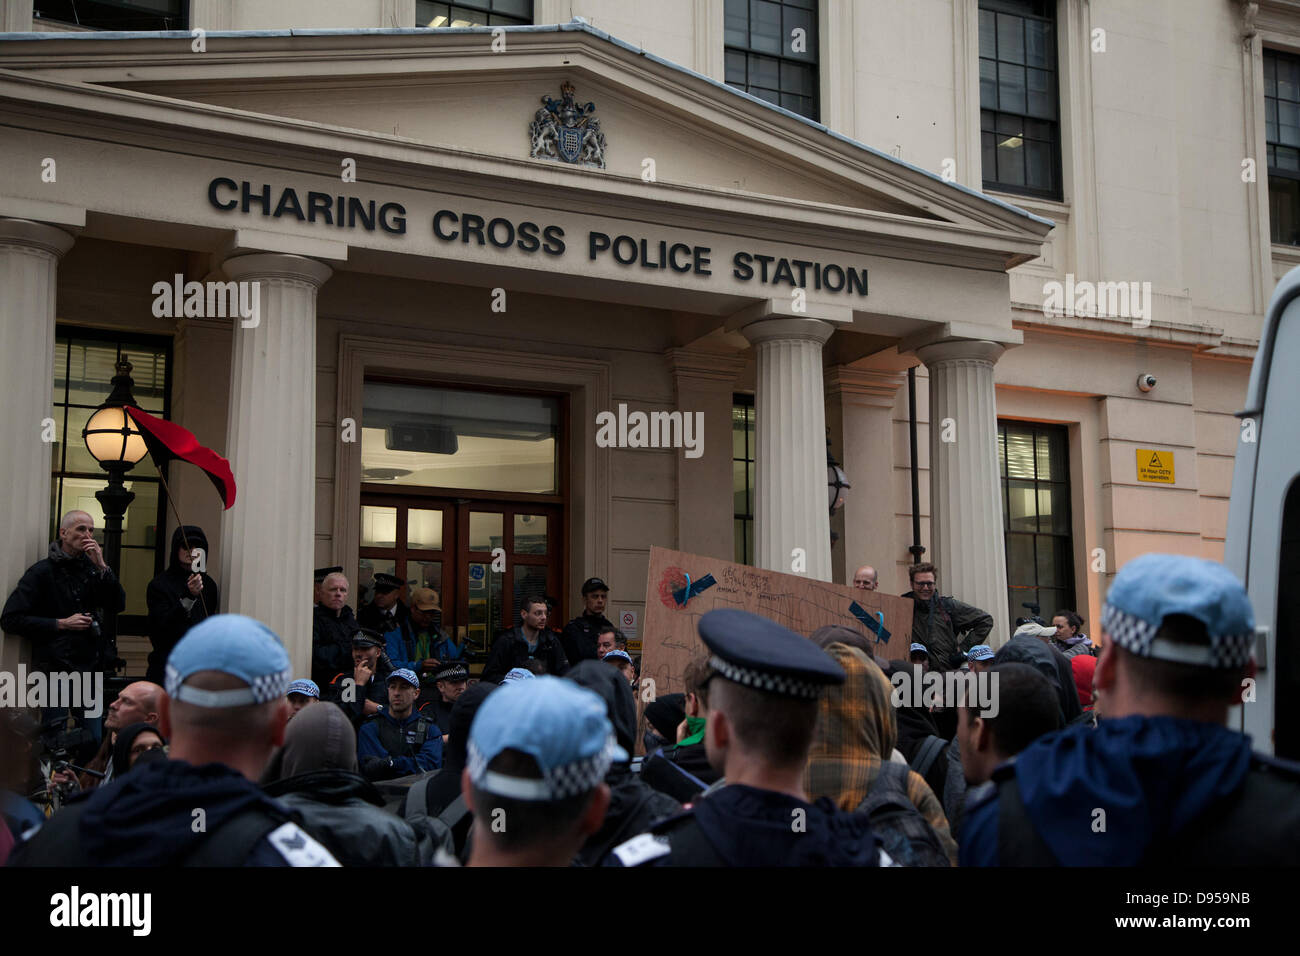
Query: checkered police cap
x=762, y=680
x=1150, y=588
x=232, y=644
x=563, y=727
x=761, y=654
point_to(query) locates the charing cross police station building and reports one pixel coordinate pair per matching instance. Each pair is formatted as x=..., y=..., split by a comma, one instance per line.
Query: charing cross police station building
x=574, y=278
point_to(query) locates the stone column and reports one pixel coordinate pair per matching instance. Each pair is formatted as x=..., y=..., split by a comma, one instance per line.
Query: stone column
x=860, y=413
x=966, y=541
x=790, y=472
x=705, y=383
x=268, y=537
x=29, y=261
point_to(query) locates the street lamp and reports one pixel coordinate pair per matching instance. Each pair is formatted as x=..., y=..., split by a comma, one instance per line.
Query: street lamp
x=836, y=484
x=114, y=440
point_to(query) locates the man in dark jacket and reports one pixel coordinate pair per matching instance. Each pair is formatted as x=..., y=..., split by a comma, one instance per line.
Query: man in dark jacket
x=61, y=602
x=224, y=713
x=332, y=627
x=399, y=740
x=579, y=637
x=633, y=806
x=362, y=690
x=938, y=621
x=763, y=705
x=530, y=640
x=316, y=773
x=1029, y=646
x=179, y=598
x=1161, y=781
x=389, y=615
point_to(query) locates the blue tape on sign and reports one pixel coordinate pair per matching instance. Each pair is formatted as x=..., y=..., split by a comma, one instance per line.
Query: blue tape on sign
x=692, y=589
x=876, y=623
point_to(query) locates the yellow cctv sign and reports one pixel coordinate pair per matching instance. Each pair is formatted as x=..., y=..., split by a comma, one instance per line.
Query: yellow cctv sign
x=1155, y=465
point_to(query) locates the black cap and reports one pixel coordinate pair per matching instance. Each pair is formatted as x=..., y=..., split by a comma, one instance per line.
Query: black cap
x=451, y=672
x=761, y=654
x=593, y=584
x=366, y=637
x=322, y=573
x=385, y=582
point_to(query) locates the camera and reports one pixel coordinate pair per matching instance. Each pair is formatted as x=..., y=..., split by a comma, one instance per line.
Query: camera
x=1146, y=381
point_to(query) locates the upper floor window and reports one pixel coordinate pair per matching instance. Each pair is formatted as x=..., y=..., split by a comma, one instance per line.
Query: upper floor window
x=1020, y=129
x=1282, y=125
x=473, y=13
x=771, y=51
x=117, y=14
x=743, y=458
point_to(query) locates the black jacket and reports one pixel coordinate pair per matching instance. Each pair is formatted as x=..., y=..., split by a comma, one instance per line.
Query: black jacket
x=579, y=636
x=375, y=689
x=634, y=807
x=939, y=622
x=331, y=642
x=54, y=588
x=372, y=617
x=510, y=649
x=168, y=617
x=1051, y=663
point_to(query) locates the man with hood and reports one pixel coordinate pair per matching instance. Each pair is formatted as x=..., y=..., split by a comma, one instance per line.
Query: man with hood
x=316, y=773
x=856, y=734
x=938, y=621
x=1172, y=784
x=224, y=712
x=1029, y=645
x=633, y=806
x=62, y=601
x=763, y=703
x=180, y=597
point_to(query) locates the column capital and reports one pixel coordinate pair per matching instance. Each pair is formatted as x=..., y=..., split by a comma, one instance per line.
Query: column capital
x=961, y=350
x=36, y=236
x=788, y=330
x=868, y=386
x=278, y=265
x=704, y=368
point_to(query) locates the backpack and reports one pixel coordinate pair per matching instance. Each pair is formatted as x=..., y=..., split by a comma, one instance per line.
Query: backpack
x=905, y=835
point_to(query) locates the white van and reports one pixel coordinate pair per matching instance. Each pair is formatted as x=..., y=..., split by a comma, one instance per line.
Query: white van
x=1263, y=538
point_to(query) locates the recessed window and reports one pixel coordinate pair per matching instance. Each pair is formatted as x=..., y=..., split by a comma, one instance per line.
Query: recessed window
x=1282, y=135
x=1020, y=129
x=1035, y=472
x=771, y=52
x=116, y=14
x=473, y=13
x=742, y=475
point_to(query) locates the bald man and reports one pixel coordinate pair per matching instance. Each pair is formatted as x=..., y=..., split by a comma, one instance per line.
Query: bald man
x=866, y=578
x=136, y=704
x=333, y=625
x=61, y=605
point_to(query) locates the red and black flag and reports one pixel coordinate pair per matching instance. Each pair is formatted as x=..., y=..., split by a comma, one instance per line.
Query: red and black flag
x=167, y=440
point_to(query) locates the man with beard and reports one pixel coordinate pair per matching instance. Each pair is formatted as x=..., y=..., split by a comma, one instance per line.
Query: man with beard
x=332, y=627
x=179, y=598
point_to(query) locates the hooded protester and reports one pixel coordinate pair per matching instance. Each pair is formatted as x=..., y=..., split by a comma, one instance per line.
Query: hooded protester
x=133, y=741
x=316, y=773
x=633, y=806
x=179, y=598
x=663, y=716
x=1028, y=646
x=435, y=800
x=855, y=727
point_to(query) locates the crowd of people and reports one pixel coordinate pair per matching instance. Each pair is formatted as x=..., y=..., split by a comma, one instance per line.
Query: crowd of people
x=783, y=749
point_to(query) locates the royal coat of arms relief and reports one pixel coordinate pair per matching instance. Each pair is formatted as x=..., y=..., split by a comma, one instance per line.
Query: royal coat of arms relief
x=565, y=130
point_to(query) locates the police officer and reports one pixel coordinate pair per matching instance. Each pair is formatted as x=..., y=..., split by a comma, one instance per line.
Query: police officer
x=363, y=691
x=763, y=701
x=579, y=636
x=389, y=615
x=450, y=681
x=399, y=740
x=224, y=713
x=1177, y=787
x=300, y=694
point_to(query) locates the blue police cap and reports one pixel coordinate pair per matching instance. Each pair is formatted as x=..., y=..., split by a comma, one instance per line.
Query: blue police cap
x=406, y=674
x=761, y=654
x=915, y=648
x=618, y=656
x=1150, y=588
x=232, y=644
x=518, y=673
x=980, y=652
x=304, y=686
x=563, y=727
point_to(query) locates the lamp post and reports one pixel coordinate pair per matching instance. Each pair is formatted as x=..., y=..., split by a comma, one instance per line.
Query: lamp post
x=836, y=484
x=114, y=441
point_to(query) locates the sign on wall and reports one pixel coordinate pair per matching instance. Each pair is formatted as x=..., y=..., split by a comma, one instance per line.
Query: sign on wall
x=1155, y=466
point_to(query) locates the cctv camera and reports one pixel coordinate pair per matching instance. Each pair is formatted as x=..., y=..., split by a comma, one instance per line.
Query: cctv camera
x=1146, y=381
